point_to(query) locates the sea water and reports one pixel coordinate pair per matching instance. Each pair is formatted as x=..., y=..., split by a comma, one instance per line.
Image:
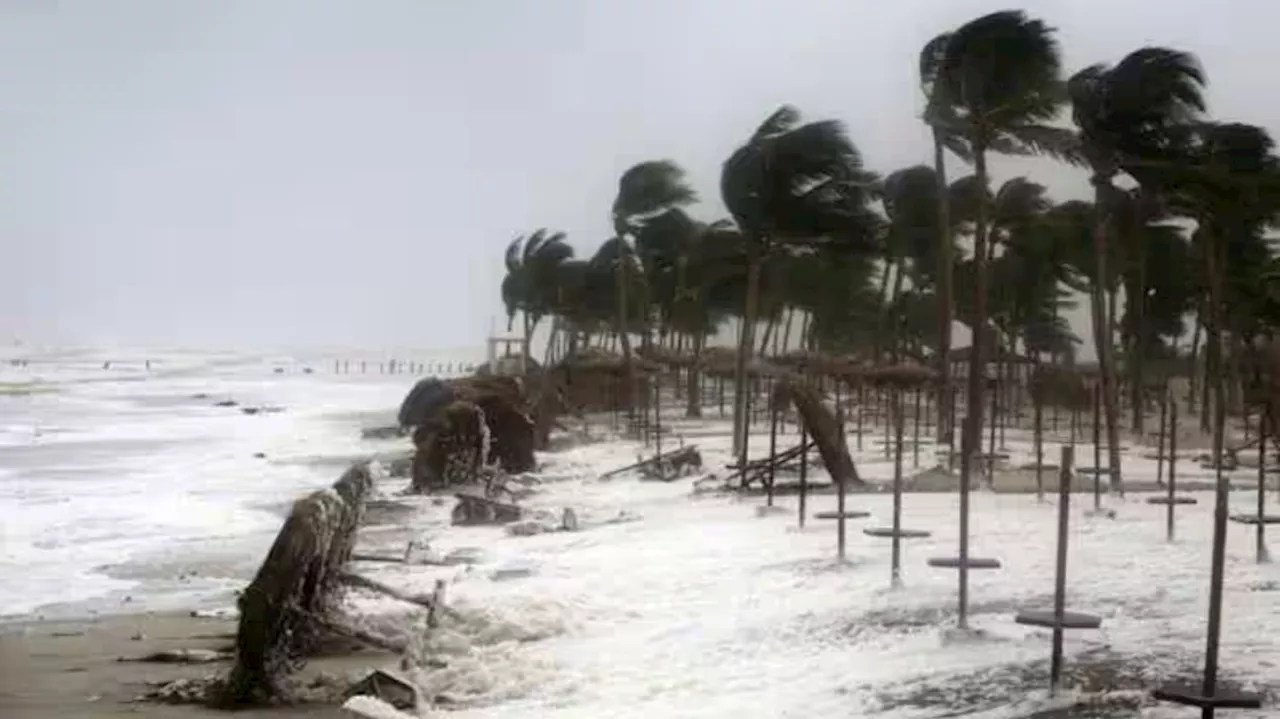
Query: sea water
x=122, y=481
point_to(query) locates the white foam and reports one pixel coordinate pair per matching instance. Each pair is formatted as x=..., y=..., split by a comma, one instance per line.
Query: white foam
x=123, y=462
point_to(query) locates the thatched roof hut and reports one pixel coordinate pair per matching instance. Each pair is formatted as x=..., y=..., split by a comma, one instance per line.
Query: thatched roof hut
x=1069, y=388
x=595, y=381
x=907, y=375
x=508, y=413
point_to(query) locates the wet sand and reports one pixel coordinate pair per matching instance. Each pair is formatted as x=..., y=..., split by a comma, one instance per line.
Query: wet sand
x=72, y=669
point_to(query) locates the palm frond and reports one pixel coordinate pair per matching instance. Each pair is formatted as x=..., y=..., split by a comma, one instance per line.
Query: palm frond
x=1000, y=60
x=784, y=119
x=511, y=258
x=1056, y=142
x=651, y=187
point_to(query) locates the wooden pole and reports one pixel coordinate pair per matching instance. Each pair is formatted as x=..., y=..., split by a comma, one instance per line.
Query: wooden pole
x=1060, y=573
x=773, y=451
x=657, y=420
x=1218, y=567
x=897, y=485
x=1173, y=466
x=915, y=439
x=1261, y=545
x=1164, y=414
x=841, y=536
x=1038, y=430
x=1097, y=446
x=962, y=593
x=804, y=469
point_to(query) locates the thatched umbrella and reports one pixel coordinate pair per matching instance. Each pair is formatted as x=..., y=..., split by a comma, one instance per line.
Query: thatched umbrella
x=821, y=424
x=906, y=375
x=451, y=449
x=427, y=397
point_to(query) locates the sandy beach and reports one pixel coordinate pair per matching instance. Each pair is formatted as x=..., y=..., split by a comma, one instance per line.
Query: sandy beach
x=87, y=668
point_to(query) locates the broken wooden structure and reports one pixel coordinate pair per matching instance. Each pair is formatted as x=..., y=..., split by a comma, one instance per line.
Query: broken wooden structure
x=473, y=510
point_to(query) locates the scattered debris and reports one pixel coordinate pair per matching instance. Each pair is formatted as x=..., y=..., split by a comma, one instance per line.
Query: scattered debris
x=472, y=510
x=181, y=656
x=569, y=520
x=390, y=688
x=370, y=707
x=391, y=432
x=678, y=461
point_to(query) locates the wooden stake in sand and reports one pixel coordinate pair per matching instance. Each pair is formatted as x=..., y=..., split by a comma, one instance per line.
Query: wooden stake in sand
x=1059, y=618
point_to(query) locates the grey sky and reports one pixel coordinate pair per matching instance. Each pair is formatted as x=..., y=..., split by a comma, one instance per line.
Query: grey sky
x=286, y=172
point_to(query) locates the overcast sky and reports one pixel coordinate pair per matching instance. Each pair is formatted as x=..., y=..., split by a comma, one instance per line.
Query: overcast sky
x=325, y=172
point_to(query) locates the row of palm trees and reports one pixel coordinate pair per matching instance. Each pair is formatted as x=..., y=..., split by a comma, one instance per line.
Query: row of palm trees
x=877, y=266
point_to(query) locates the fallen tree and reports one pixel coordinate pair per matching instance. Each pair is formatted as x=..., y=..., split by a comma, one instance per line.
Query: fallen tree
x=288, y=606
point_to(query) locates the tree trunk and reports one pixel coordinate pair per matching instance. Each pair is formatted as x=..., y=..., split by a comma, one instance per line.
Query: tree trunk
x=745, y=347
x=945, y=410
x=1102, y=325
x=628, y=367
x=786, y=329
x=768, y=331
x=971, y=432
x=528, y=337
x=1137, y=350
x=884, y=316
x=1195, y=363
x=693, y=409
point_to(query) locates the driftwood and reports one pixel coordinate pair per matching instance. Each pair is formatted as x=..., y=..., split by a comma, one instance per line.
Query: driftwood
x=296, y=585
x=678, y=458
x=430, y=602
x=472, y=510
x=759, y=468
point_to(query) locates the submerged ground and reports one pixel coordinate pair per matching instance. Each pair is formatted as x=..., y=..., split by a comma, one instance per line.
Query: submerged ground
x=699, y=604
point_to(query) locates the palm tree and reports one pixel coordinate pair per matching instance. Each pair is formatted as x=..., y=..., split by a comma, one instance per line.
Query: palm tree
x=644, y=191
x=1132, y=118
x=998, y=75
x=941, y=116
x=530, y=283
x=1231, y=188
x=791, y=183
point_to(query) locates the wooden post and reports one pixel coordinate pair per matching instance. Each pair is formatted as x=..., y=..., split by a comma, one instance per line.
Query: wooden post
x=1038, y=430
x=991, y=443
x=862, y=403
x=1214, y=633
x=840, y=497
x=804, y=468
x=962, y=593
x=1097, y=446
x=1173, y=465
x=1261, y=545
x=1060, y=572
x=915, y=440
x=896, y=577
x=1164, y=414
x=773, y=451
x=657, y=420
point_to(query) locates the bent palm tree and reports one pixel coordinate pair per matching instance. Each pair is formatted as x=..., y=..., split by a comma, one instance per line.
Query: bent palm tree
x=1132, y=117
x=644, y=191
x=531, y=280
x=791, y=183
x=999, y=75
